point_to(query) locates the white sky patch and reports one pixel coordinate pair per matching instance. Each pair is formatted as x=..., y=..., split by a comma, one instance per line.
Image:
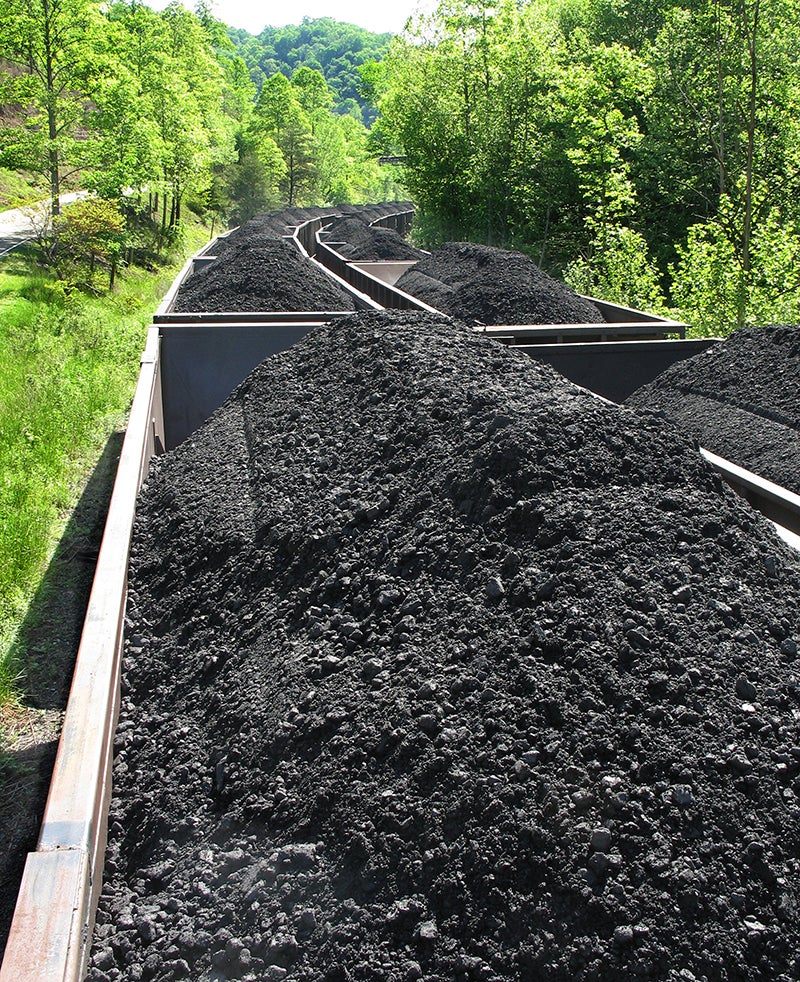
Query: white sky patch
x=255, y=15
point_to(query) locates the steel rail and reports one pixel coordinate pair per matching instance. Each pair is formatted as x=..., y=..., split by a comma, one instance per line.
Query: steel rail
x=780, y=505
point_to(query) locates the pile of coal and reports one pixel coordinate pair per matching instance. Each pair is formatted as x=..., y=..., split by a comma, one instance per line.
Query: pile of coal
x=372, y=212
x=260, y=273
x=258, y=268
x=438, y=668
x=266, y=226
x=483, y=285
x=356, y=240
x=740, y=399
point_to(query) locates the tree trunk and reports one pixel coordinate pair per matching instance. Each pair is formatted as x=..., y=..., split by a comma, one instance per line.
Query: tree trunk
x=52, y=116
x=751, y=141
x=751, y=30
x=720, y=149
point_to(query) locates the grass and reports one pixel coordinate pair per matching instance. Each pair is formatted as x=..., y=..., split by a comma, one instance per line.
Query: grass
x=18, y=188
x=68, y=366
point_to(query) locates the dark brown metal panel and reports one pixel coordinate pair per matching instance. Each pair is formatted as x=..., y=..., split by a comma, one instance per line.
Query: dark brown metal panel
x=202, y=363
x=775, y=502
x=615, y=369
x=380, y=291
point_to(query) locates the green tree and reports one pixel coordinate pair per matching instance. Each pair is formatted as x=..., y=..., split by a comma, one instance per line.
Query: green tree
x=726, y=101
x=617, y=268
x=601, y=87
x=182, y=92
x=253, y=179
x=335, y=49
x=280, y=117
x=473, y=100
x=123, y=147
x=53, y=43
x=311, y=90
x=91, y=230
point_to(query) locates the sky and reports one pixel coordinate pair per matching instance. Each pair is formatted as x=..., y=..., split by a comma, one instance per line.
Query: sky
x=253, y=15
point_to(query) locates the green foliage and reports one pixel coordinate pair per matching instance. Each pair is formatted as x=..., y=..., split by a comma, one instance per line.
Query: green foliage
x=576, y=128
x=52, y=46
x=335, y=49
x=90, y=230
x=298, y=150
x=601, y=87
x=617, y=268
x=18, y=188
x=707, y=283
x=713, y=290
x=154, y=109
x=311, y=90
x=68, y=364
x=251, y=182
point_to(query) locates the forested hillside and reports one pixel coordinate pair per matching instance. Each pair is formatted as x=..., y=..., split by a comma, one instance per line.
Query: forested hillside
x=329, y=46
x=648, y=148
x=646, y=151
x=156, y=111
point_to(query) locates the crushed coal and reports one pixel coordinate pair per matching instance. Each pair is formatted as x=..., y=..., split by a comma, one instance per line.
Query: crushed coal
x=265, y=227
x=740, y=399
x=439, y=668
x=258, y=268
x=371, y=212
x=260, y=273
x=357, y=240
x=483, y=285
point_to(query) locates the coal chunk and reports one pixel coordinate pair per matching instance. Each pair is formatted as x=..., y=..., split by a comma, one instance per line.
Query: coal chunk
x=484, y=285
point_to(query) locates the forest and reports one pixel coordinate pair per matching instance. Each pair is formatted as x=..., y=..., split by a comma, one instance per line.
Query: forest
x=155, y=112
x=337, y=50
x=645, y=151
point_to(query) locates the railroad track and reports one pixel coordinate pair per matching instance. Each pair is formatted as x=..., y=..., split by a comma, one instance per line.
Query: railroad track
x=190, y=363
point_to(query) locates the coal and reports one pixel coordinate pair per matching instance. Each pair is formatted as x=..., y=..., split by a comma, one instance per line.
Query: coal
x=740, y=399
x=439, y=668
x=483, y=285
x=357, y=240
x=259, y=273
x=258, y=268
x=266, y=226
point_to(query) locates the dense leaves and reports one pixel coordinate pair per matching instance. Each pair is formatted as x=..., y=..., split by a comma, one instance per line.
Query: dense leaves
x=335, y=49
x=647, y=152
x=649, y=148
x=153, y=111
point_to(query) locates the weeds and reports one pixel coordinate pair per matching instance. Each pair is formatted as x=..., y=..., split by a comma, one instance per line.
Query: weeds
x=18, y=188
x=68, y=366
